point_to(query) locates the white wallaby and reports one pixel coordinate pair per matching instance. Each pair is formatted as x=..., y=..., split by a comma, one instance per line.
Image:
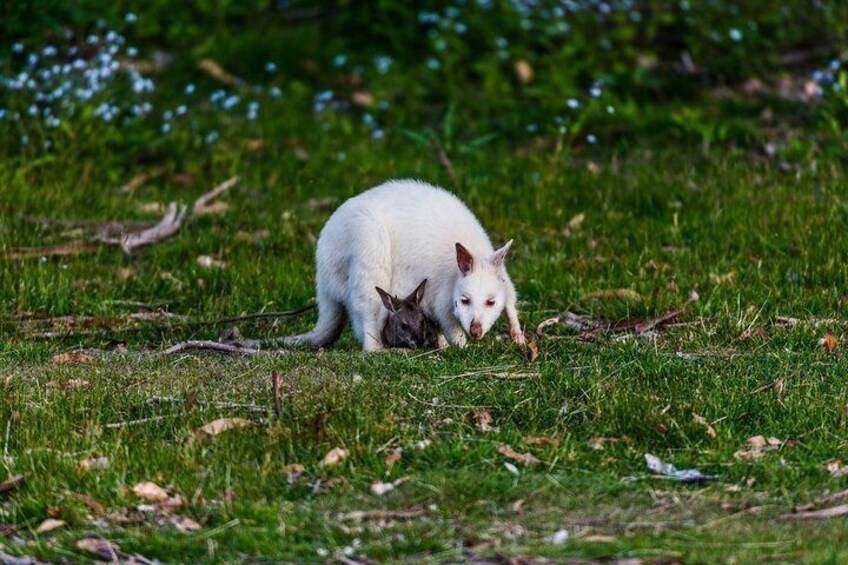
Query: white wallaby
x=393, y=236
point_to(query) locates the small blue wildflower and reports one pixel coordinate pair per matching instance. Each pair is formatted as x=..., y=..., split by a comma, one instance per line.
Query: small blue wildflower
x=270, y=67
x=167, y=115
x=211, y=137
x=378, y=134
x=130, y=18
x=735, y=34
x=32, y=59
x=33, y=110
x=532, y=128
x=189, y=89
x=460, y=28
x=49, y=51
x=275, y=92
x=24, y=140
x=132, y=52
x=48, y=144
x=339, y=60
x=181, y=109
x=502, y=43
x=595, y=91
x=230, y=102
x=341, y=156
x=166, y=127
x=591, y=139
x=610, y=110
x=383, y=63
x=428, y=18
x=433, y=64
x=17, y=47
x=440, y=44
x=573, y=103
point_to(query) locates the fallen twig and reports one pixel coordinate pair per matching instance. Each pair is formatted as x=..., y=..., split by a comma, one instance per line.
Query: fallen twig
x=829, y=499
x=116, y=425
x=168, y=226
x=214, y=346
x=832, y=512
x=63, y=250
x=202, y=206
x=237, y=405
x=138, y=180
x=263, y=315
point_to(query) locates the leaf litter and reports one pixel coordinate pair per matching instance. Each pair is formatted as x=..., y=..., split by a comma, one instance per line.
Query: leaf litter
x=659, y=466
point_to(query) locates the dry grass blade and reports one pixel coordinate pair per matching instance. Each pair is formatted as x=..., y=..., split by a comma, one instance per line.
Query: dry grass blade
x=829, y=499
x=276, y=390
x=442, y=156
x=667, y=317
x=623, y=293
x=202, y=204
x=361, y=515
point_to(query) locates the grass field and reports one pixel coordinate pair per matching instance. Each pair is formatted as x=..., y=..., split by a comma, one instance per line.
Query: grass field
x=757, y=241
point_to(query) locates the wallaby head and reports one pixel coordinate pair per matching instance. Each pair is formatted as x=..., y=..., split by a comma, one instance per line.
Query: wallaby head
x=479, y=296
x=407, y=326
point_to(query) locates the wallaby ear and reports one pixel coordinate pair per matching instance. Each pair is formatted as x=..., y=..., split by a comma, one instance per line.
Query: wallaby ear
x=388, y=302
x=464, y=260
x=418, y=294
x=498, y=257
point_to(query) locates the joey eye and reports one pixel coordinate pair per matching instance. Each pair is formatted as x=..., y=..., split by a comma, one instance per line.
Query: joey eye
x=465, y=300
x=490, y=302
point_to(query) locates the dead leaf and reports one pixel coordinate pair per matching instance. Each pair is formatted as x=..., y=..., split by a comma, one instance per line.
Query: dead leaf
x=150, y=491
x=836, y=468
x=151, y=208
x=70, y=357
x=482, y=419
x=598, y=442
x=93, y=462
x=832, y=512
x=723, y=279
x=332, y=483
x=221, y=425
x=49, y=525
x=394, y=456
x=362, y=98
x=255, y=144
x=185, y=524
x=380, y=488
x=624, y=293
x=171, y=503
x=703, y=421
x=542, y=440
x=324, y=203
x=756, y=446
x=593, y=167
x=517, y=506
x=94, y=505
x=293, y=471
x=828, y=342
x=334, y=457
x=209, y=262
x=216, y=71
x=509, y=452
x=576, y=221
x=102, y=548
x=532, y=351
x=11, y=483
x=523, y=71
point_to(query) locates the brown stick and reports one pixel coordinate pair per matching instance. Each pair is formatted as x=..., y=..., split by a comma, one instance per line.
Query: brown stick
x=214, y=346
x=201, y=205
x=262, y=315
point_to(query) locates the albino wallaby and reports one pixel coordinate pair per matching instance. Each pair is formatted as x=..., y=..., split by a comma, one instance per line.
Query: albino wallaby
x=393, y=236
x=407, y=326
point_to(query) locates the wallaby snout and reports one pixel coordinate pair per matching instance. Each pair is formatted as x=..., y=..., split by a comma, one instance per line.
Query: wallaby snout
x=476, y=329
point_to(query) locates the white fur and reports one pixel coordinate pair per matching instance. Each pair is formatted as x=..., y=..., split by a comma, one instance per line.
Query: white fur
x=394, y=236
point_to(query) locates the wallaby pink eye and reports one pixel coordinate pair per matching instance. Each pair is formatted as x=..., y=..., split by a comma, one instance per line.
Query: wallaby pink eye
x=465, y=300
x=490, y=302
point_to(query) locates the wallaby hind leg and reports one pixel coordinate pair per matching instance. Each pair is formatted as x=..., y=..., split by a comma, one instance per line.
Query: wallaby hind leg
x=331, y=320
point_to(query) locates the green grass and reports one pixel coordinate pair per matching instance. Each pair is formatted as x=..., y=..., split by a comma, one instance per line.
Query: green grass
x=659, y=220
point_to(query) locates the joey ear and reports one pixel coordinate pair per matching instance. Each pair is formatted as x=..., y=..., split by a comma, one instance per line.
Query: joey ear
x=498, y=257
x=388, y=301
x=464, y=259
x=418, y=294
